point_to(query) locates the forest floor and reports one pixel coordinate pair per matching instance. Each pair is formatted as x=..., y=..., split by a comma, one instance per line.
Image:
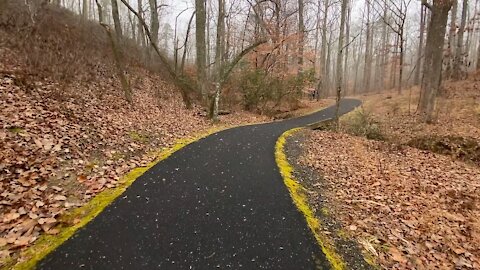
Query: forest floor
x=408, y=192
x=58, y=154
x=59, y=150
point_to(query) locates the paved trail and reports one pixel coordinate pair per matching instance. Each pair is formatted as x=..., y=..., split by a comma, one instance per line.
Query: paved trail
x=217, y=203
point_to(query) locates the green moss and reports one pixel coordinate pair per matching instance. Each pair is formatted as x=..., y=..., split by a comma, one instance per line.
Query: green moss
x=325, y=211
x=138, y=137
x=343, y=234
x=117, y=156
x=298, y=194
x=15, y=129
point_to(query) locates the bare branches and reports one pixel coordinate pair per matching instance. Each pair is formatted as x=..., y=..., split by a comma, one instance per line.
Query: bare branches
x=182, y=82
x=229, y=68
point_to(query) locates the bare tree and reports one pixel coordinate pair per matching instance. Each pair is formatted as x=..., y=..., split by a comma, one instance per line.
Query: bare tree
x=183, y=82
x=398, y=9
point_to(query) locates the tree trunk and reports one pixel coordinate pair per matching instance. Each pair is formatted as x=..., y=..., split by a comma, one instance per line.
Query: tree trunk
x=85, y=9
x=400, y=72
x=347, y=37
x=200, y=23
x=432, y=66
x=367, y=70
x=418, y=65
x=339, y=61
x=185, y=44
x=219, y=57
x=141, y=32
x=457, y=71
x=154, y=24
x=322, y=82
x=301, y=35
x=357, y=61
x=451, y=40
x=133, y=27
x=116, y=20
x=328, y=67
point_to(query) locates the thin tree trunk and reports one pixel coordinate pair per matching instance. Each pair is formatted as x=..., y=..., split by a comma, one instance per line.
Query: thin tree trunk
x=200, y=22
x=339, y=62
x=367, y=70
x=357, y=62
x=418, y=65
x=301, y=35
x=322, y=82
x=185, y=44
x=457, y=72
x=451, y=40
x=347, y=37
x=85, y=9
x=133, y=27
x=116, y=20
x=154, y=24
x=219, y=56
x=141, y=32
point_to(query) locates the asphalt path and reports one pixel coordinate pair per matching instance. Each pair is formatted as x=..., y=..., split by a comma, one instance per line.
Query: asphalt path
x=217, y=203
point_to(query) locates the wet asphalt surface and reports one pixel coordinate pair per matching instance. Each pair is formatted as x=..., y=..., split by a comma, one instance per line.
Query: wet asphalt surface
x=219, y=203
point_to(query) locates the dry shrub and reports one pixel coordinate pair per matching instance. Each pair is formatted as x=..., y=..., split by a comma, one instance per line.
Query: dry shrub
x=268, y=93
x=362, y=123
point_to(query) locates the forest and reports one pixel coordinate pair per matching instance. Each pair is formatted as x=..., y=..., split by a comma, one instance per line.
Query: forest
x=377, y=101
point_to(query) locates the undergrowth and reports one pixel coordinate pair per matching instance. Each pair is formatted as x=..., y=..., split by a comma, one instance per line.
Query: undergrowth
x=362, y=123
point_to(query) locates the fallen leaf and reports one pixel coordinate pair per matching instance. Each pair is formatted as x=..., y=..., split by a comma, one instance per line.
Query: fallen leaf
x=59, y=198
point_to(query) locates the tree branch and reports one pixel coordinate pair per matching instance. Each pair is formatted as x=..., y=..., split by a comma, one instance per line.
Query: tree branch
x=237, y=59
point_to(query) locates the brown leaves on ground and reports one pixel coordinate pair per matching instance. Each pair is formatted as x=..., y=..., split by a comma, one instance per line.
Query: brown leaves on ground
x=418, y=210
x=457, y=113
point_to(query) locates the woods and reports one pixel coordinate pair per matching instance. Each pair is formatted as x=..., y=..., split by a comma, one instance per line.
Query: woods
x=386, y=44
x=94, y=91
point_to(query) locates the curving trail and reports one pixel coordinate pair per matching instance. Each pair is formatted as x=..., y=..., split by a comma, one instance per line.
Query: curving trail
x=217, y=203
